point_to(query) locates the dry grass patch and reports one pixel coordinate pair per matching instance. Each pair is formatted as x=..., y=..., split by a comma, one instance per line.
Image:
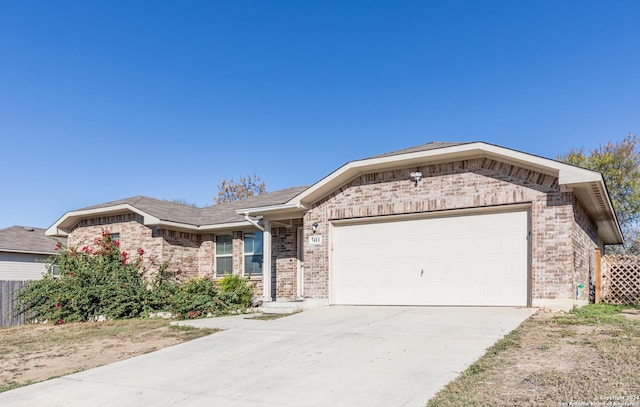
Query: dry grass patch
x=33, y=353
x=586, y=357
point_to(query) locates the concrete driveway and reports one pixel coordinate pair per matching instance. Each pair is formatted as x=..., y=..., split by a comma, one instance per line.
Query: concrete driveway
x=331, y=356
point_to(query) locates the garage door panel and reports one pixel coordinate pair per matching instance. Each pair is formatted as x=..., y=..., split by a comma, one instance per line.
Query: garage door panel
x=476, y=259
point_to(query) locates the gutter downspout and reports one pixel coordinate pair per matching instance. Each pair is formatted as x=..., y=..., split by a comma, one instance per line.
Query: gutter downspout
x=253, y=221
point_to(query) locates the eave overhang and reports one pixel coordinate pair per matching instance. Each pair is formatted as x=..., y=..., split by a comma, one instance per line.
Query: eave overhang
x=587, y=185
x=62, y=226
x=27, y=252
x=275, y=212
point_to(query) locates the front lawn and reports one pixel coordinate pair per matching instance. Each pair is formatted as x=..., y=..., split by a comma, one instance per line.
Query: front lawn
x=32, y=353
x=590, y=356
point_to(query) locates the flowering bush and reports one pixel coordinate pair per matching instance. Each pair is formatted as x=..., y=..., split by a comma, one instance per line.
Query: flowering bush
x=98, y=280
x=102, y=280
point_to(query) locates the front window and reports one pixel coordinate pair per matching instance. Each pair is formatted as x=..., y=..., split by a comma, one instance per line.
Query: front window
x=253, y=254
x=224, y=255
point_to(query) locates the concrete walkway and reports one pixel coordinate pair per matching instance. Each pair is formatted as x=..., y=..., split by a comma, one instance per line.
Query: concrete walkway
x=331, y=356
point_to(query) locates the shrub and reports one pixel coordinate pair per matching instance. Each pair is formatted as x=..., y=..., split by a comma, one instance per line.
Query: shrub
x=101, y=280
x=98, y=280
x=235, y=292
x=199, y=297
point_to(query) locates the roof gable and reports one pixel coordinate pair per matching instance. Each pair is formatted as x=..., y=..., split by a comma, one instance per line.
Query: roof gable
x=432, y=153
x=588, y=186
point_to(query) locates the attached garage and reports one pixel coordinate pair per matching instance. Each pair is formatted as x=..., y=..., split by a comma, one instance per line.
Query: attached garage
x=439, y=224
x=443, y=224
x=478, y=258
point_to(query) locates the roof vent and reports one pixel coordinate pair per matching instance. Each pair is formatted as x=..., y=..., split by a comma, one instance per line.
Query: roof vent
x=28, y=229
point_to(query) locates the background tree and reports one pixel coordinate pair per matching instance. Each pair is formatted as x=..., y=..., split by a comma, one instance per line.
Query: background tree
x=182, y=201
x=619, y=164
x=231, y=190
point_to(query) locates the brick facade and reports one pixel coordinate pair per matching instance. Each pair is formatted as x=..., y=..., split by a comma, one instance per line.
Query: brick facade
x=583, y=236
x=284, y=261
x=558, y=227
x=192, y=254
x=563, y=237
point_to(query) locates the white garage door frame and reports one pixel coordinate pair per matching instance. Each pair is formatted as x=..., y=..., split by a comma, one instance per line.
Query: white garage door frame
x=526, y=207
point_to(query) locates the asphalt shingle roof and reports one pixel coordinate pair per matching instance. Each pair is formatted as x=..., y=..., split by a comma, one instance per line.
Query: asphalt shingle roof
x=210, y=215
x=226, y=213
x=423, y=147
x=26, y=239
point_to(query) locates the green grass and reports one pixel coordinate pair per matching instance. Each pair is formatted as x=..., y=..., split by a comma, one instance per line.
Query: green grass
x=12, y=385
x=269, y=317
x=594, y=314
x=191, y=332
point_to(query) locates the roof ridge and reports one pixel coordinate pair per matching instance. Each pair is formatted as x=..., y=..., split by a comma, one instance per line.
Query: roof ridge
x=432, y=145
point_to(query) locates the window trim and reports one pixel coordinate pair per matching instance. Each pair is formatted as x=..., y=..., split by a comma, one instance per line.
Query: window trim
x=222, y=255
x=246, y=254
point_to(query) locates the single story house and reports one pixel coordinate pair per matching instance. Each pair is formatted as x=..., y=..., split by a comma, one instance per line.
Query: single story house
x=24, y=252
x=470, y=224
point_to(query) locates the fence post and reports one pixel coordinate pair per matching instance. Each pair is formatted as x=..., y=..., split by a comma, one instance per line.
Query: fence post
x=598, y=276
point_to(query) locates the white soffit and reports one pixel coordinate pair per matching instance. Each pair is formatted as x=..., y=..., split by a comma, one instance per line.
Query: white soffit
x=567, y=174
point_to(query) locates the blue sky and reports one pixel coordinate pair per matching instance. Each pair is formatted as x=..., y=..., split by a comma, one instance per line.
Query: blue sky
x=105, y=100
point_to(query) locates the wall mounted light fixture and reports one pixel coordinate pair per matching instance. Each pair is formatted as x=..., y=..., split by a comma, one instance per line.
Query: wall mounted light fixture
x=314, y=227
x=415, y=176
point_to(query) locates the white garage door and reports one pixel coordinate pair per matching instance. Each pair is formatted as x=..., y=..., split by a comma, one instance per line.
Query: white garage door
x=471, y=259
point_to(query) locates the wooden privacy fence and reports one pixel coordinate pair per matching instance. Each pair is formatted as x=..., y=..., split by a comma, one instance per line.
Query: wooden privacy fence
x=620, y=280
x=8, y=294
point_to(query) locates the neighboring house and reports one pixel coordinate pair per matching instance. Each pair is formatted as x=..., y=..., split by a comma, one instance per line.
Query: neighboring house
x=436, y=224
x=23, y=253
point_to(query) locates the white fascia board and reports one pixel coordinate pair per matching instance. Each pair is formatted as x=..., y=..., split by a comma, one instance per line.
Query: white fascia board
x=60, y=228
x=353, y=168
x=570, y=174
x=202, y=228
x=229, y=225
x=177, y=225
x=567, y=174
x=53, y=231
x=270, y=208
x=26, y=252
